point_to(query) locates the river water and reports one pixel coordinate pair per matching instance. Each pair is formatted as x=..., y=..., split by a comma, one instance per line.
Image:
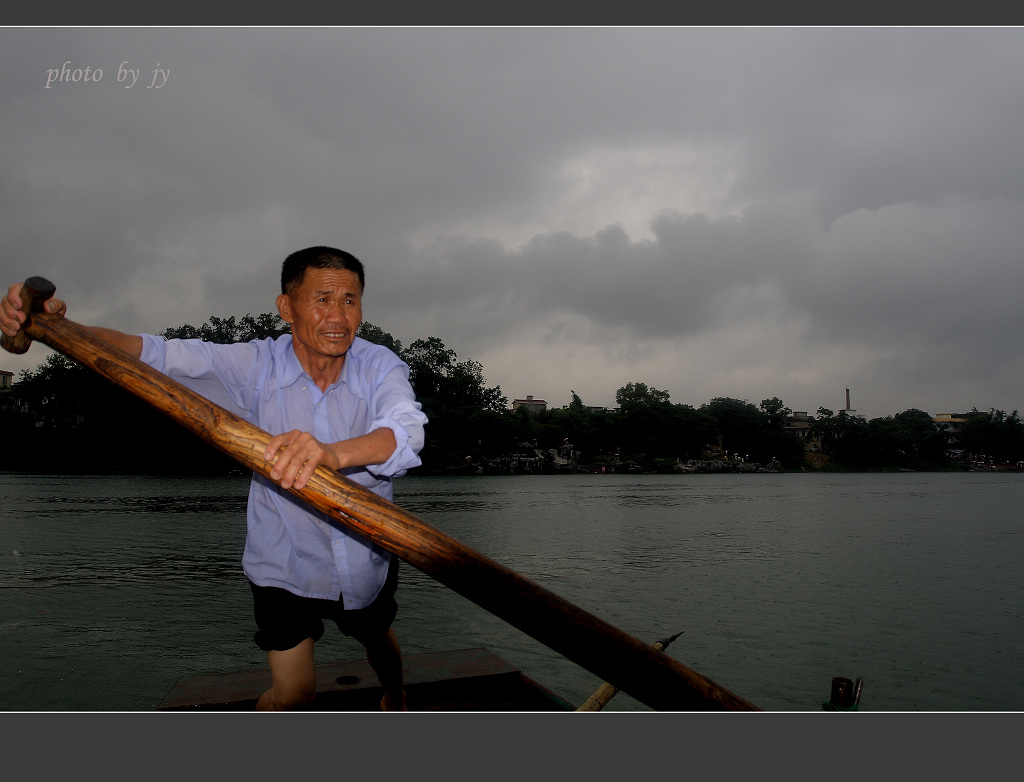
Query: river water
x=112, y=588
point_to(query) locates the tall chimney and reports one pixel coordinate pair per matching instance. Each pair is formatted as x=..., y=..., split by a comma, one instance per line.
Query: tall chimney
x=848, y=400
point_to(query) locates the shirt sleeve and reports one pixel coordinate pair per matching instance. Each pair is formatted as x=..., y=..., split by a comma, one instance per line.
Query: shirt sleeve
x=394, y=407
x=221, y=373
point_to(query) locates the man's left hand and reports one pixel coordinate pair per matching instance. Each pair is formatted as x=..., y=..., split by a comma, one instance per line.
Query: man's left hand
x=295, y=456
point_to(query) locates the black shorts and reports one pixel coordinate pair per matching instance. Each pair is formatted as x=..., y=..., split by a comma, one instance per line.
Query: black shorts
x=285, y=619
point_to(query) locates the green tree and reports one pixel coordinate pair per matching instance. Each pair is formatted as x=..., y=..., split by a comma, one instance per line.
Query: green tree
x=263, y=326
x=378, y=336
x=226, y=331
x=755, y=432
x=995, y=434
x=83, y=423
x=430, y=364
x=742, y=427
x=467, y=418
x=437, y=375
x=923, y=442
x=776, y=412
x=654, y=432
x=634, y=396
x=590, y=432
x=640, y=427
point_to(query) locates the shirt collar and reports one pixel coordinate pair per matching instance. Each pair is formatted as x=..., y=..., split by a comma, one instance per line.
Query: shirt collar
x=290, y=370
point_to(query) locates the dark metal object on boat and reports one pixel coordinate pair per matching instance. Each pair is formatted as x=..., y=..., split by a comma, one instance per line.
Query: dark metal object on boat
x=845, y=695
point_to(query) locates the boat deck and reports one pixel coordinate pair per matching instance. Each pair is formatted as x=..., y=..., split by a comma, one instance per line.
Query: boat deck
x=460, y=680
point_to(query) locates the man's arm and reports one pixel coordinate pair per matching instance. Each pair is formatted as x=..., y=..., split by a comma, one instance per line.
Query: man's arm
x=390, y=447
x=130, y=343
x=12, y=318
x=296, y=455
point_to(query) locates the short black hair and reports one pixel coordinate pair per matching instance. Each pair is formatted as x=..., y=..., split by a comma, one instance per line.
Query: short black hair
x=295, y=265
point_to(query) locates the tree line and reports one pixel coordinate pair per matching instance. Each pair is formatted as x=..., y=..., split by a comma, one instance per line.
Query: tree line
x=69, y=419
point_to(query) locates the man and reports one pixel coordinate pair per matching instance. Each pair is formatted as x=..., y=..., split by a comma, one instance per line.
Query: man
x=329, y=398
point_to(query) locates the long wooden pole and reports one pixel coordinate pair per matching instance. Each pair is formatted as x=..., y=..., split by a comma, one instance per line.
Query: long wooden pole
x=653, y=678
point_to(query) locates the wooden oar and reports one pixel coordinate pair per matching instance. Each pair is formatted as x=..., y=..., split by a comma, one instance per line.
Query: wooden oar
x=653, y=678
x=607, y=691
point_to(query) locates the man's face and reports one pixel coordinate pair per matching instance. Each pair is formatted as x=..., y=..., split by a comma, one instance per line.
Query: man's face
x=325, y=311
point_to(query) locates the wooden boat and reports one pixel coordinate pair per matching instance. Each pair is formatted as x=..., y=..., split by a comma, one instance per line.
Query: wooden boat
x=461, y=680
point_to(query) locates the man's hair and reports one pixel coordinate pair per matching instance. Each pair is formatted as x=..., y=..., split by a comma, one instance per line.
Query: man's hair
x=295, y=265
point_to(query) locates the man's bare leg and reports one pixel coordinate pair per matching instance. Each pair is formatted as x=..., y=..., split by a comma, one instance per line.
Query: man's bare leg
x=385, y=657
x=293, y=678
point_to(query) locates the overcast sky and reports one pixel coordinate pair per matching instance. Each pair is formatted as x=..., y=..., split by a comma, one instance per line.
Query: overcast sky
x=746, y=213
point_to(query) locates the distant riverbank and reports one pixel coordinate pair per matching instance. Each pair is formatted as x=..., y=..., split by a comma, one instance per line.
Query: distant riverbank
x=531, y=460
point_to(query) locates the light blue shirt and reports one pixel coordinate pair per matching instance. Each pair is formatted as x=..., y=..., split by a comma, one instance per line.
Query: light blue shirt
x=289, y=544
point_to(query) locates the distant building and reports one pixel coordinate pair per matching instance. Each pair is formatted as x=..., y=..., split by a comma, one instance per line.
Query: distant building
x=849, y=410
x=798, y=424
x=952, y=424
x=532, y=405
x=7, y=398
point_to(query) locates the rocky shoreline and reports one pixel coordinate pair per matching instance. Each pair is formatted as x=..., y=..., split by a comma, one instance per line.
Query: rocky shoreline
x=723, y=465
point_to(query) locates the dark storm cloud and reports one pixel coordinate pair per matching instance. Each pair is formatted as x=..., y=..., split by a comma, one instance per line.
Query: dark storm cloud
x=720, y=212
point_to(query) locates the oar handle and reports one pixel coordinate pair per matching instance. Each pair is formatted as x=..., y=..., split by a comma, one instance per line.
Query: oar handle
x=34, y=293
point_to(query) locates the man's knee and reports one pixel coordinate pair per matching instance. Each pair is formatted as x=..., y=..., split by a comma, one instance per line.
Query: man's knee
x=380, y=643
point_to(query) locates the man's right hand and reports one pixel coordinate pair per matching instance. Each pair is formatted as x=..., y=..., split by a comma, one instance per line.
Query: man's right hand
x=11, y=316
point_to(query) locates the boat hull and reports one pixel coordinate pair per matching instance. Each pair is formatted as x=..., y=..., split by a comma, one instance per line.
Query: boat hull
x=459, y=680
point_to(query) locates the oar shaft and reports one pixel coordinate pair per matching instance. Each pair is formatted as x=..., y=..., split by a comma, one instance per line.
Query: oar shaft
x=651, y=677
x=600, y=697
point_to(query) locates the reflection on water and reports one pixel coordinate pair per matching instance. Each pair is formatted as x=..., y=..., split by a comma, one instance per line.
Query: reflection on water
x=52, y=570
x=111, y=588
x=56, y=506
